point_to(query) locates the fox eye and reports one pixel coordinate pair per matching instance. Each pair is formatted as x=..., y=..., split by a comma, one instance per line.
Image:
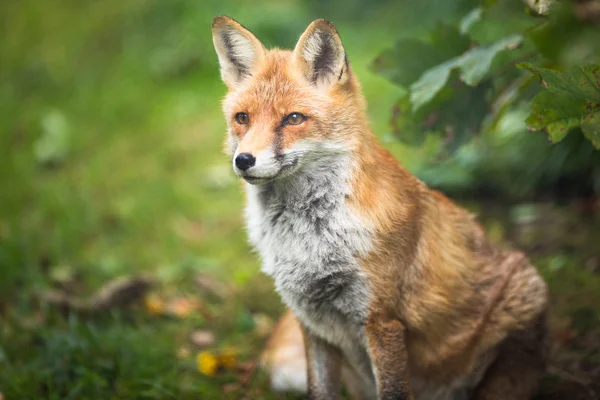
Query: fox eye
x=242, y=118
x=294, y=119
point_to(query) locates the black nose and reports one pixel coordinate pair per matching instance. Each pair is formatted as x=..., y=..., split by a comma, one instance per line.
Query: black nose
x=244, y=161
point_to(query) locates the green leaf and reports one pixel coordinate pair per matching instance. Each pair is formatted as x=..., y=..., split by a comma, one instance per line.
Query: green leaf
x=471, y=18
x=555, y=114
x=567, y=38
x=499, y=20
x=53, y=145
x=406, y=126
x=572, y=100
x=460, y=117
x=405, y=62
x=430, y=83
x=395, y=65
x=582, y=83
x=590, y=126
x=454, y=116
x=473, y=65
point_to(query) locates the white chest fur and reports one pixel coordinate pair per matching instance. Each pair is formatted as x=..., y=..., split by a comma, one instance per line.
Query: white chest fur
x=309, y=241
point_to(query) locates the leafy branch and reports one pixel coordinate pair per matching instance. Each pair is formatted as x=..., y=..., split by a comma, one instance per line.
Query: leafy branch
x=455, y=76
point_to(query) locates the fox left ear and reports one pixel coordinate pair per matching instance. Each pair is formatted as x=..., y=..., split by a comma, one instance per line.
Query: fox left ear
x=239, y=51
x=320, y=54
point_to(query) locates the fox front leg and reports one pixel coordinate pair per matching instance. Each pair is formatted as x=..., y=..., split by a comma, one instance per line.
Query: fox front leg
x=386, y=346
x=323, y=367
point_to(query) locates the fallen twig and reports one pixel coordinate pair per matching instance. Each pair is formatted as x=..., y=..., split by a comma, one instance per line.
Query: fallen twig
x=119, y=292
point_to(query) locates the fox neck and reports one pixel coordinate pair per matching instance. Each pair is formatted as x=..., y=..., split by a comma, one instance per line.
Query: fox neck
x=309, y=241
x=308, y=206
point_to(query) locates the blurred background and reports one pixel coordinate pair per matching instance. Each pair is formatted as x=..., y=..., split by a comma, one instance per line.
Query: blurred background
x=124, y=267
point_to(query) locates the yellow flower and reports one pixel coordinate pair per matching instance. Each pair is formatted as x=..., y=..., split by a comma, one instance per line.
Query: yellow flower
x=207, y=363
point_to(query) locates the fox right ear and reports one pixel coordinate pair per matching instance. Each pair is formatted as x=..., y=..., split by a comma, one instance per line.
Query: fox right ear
x=321, y=55
x=239, y=51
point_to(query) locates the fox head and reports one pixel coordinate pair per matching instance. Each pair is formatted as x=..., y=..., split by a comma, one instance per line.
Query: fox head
x=286, y=109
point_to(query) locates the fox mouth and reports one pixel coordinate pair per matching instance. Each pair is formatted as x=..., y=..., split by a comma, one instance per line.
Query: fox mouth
x=259, y=180
x=256, y=179
x=285, y=169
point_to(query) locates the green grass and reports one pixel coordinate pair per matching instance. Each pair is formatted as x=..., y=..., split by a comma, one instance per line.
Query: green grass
x=111, y=164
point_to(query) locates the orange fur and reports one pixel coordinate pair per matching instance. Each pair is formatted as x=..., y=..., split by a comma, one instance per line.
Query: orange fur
x=432, y=270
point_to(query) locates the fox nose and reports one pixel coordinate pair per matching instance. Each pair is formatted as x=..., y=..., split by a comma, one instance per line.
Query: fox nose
x=244, y=161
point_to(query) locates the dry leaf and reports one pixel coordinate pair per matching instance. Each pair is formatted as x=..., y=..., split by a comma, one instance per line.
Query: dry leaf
x=154, y=305
x=209, y=363
x=183, y=307
x=230, y=388
x=202, y=338
x=228, y=357
x=247, y=370
x=183, y=353
x=263, y=324
x=207, y=284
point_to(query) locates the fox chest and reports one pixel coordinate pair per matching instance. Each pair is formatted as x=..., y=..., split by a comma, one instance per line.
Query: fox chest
x=311, y=247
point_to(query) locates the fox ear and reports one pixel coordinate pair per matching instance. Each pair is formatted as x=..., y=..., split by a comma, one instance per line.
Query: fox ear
x=321, y=55
x=239, y=51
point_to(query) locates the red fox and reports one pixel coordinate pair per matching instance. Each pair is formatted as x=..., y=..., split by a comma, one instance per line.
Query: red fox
x=397, y=291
